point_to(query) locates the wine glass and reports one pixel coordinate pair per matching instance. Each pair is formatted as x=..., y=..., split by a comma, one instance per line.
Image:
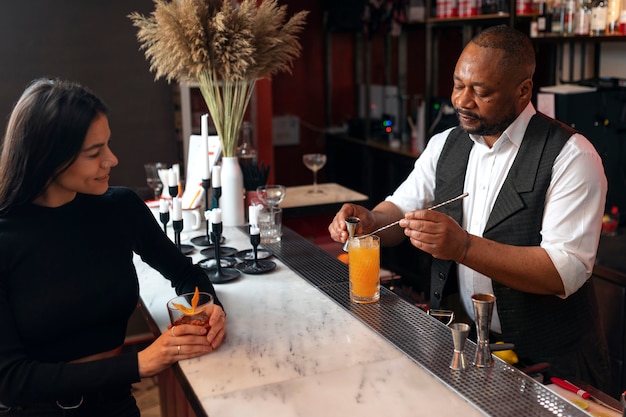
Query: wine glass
x=153, y=179
x=271, y=195
x=314, y=162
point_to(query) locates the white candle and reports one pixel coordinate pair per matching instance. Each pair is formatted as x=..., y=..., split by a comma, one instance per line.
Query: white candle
x=216, y=176
x=177, y=209
x=204, y=149
x=216, y=216
x=164, y=207
x=176, y=168
x=254, y=230
x=252, y=217
x=171, y=178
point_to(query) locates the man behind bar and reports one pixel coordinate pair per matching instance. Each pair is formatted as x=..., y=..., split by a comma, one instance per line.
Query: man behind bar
x=528, y=232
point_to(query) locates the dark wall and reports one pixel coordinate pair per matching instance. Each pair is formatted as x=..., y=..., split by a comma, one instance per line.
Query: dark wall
x=92, y=42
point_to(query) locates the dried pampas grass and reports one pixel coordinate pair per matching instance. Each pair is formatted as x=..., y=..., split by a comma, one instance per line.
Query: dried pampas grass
x=222, y=46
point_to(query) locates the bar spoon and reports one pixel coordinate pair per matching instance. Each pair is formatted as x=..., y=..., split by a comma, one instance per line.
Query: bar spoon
x=458, y=197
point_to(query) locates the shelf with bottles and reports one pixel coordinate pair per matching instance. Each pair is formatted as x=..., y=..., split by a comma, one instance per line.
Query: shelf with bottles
x=591, y=21
x=469, y=20
x=606, y=37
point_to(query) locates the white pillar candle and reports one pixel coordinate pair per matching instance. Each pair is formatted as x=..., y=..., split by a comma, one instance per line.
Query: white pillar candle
x=164, y=207
x=171, y=178
x=254, y=230
x=204, y=149
x=216, y=216
x=177, y=212
x=253, y=214
x=216, y=176
x=176, y=168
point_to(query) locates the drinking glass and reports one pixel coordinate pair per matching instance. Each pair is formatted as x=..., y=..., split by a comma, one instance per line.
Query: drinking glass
x=270, y=219
x=271, y=195
x=314, y=162
x=198, y=316
x=364, y=269
x=153, y=179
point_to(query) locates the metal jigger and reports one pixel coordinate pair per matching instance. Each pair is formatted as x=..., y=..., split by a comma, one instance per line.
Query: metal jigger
x=459, y=336
x=351, y=225
x=483, y=309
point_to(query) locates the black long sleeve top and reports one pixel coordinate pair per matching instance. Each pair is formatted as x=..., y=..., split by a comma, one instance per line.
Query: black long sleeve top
x=68, y=286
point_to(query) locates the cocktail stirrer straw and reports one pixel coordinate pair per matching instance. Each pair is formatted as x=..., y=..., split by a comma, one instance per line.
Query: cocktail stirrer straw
x=458, y=197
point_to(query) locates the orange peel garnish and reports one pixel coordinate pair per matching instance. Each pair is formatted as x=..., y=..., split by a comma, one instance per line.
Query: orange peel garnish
x=194, y=303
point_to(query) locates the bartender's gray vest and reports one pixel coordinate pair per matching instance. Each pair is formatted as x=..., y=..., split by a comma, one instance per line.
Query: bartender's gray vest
x=536, y=324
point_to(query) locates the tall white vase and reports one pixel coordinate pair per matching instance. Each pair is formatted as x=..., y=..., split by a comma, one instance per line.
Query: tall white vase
x=232, y=199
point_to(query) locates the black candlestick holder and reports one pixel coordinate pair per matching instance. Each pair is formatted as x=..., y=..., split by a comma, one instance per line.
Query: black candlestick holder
x=165, y=218
x=177, y=225
x=173, y=189
x=204, y=240
x=217, y=274
x=255, y=266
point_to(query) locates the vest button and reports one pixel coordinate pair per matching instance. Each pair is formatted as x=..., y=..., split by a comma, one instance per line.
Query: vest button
x=442, y=276
x=437, y=295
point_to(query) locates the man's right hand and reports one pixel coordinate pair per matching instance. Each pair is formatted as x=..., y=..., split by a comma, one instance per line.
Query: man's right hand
x=337, y=228
x=384, y=213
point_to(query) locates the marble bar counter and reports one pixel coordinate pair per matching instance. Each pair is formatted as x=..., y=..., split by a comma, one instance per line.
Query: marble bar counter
x=296, y=346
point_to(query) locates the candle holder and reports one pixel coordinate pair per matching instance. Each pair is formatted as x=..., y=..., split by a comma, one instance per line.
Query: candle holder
x=217, y=274
x=173, y=189
x=255, y=266
x=177, y=225
x=164, y=216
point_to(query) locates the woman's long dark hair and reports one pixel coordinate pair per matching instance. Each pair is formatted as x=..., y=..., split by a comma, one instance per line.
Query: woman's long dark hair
x=44, y=135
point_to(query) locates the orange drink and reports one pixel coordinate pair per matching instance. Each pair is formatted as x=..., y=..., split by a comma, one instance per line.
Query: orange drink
x=364, y=269
x=191, y=308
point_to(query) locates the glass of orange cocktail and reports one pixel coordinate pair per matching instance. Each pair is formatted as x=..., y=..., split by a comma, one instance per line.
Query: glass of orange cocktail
x=364, y=269
x=192, y=308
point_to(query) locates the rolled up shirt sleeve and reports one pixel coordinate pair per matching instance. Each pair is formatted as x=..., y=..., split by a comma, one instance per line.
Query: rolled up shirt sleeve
x=573, y=214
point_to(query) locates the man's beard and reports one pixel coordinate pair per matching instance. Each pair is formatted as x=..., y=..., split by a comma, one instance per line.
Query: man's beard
x=488, y=130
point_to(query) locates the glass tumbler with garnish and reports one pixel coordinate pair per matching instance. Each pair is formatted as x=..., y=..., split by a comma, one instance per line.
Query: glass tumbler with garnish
x=191, y=308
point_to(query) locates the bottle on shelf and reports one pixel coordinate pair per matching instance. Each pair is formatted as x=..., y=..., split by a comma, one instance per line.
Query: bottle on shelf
x=544, y=18
x=598, y=17
x=558, y=17
x=582, y=21
x=612, y=16
x=569, y=17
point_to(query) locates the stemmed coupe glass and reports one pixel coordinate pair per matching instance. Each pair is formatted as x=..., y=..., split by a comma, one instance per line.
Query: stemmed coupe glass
x=314, y=162
x=271, y=195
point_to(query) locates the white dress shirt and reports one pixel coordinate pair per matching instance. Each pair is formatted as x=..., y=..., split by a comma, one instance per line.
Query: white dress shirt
x=573, y=209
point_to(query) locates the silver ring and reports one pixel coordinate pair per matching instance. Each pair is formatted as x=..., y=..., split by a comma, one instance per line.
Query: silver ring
x=70, y=407
x=173, y=334
x=179, y=349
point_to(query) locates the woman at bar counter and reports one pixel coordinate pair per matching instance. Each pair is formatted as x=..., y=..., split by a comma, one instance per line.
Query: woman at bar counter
x=67, y=281
x=528, y=231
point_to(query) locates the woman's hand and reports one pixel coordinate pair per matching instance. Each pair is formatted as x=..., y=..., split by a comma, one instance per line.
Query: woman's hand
x=185, y=341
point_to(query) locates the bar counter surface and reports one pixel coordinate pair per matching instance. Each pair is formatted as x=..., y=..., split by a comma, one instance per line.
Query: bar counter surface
x=296, y=346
